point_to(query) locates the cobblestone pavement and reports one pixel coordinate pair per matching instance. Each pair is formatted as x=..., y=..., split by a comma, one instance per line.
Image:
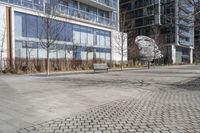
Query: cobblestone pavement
x=162, y=99
x=166, y=109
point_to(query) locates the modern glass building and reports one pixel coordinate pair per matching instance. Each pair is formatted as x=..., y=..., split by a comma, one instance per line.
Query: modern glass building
x=88, y=25
x=170, y=20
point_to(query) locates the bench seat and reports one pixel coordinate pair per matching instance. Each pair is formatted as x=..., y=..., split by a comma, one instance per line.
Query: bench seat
x=100, y=67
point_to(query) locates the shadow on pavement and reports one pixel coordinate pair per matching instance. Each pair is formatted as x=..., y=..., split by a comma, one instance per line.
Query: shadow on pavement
x=189, y=85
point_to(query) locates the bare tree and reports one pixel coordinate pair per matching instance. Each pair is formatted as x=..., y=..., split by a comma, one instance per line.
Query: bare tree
x=120, y=39
x=50, y=34
x=75, y=48
x=2, y=40
x=29, y=52
x=88, y=49
x=66, y=52
x=133, y=50
x=28, y=55
x=158, y=38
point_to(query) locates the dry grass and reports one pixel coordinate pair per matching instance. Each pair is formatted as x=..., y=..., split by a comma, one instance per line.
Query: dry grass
x=23, y=66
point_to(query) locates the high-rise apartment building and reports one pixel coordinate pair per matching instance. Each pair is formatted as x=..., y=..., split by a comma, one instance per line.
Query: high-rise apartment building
x=90, y=24
x=197, y=33
x=169, y=22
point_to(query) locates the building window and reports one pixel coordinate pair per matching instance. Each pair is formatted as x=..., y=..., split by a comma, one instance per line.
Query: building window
x=18, y=25
x=82, y=39
x=90, y=36
x=32, y=26
x=76, y=34
x=84, y=36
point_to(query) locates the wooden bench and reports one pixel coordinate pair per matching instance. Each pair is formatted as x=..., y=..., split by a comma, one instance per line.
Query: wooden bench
x=100, y=67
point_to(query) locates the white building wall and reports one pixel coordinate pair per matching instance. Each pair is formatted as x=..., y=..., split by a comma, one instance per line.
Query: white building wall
x=173, y=54
x=191, y=55
x=3, y=38
x=116, y=44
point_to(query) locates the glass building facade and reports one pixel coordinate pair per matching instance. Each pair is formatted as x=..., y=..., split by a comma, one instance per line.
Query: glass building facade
x=74, y=8
x=172, y=19
x=88, y=28
x=74, y=41
x=32, y=4
x=88, y=12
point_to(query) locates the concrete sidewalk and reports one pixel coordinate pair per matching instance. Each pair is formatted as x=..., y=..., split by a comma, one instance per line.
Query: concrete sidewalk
x=85, y=71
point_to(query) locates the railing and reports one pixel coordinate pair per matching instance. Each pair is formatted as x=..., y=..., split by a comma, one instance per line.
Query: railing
x=70, y=11
x=110, y=3
x=25, y=3
x=185, y=43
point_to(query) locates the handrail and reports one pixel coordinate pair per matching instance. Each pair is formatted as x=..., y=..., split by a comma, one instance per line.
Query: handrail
x=67, y=10
x=109, y=3
x=25, y=3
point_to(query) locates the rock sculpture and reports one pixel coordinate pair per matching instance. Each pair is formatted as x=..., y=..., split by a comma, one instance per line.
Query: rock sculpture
x=148, y=48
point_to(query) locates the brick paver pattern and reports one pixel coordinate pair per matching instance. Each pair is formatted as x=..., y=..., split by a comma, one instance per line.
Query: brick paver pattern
x=165, y=110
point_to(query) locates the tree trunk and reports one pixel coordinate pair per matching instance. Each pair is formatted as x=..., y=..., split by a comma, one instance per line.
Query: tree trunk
x=26, y=55
x=48, y=62
x=1, y=65
x=1, y=59
x=87, y=57
x=122, y=59
x=29, y=61
x=65, y=59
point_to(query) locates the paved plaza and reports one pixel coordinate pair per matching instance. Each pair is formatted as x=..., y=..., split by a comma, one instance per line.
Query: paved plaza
x=163, y=99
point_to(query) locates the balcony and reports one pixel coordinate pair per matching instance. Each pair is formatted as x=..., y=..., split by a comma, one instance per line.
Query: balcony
x=110, y=3
x=68, y=11
x=25, y=3
x=106, y=5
